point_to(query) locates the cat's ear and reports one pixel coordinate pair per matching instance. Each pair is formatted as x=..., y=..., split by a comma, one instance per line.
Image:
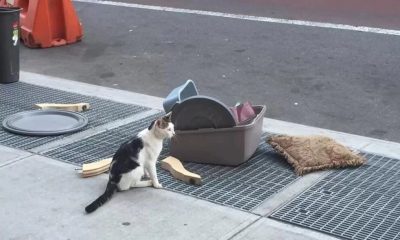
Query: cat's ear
x=167, y=117
x=151, y=125
x=161, y=123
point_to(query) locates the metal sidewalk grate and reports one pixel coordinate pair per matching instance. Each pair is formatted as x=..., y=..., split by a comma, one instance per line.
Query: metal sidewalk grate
x=362, y=203
x=17, y=97
x=99, y=146
x=244, y=187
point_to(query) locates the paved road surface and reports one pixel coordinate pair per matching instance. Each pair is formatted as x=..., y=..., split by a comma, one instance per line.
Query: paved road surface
x=372, y=13
x=341, y=80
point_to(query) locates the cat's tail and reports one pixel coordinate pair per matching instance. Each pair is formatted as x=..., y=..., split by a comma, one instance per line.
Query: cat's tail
x=111, y=188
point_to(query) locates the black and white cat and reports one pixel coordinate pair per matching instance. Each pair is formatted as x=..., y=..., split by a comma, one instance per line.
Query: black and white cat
x=135, y=158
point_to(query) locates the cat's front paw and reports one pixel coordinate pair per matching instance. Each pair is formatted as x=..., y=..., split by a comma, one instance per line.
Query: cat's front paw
x=157, y=185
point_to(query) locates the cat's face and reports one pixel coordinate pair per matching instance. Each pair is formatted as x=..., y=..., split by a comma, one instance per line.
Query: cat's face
x=168, y=131
x=164, y=127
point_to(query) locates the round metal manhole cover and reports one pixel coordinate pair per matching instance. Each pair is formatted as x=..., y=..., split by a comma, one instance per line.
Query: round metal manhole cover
x=44, y=122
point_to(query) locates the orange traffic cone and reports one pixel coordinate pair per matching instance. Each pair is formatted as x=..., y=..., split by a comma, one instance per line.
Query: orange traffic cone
x=48, y=23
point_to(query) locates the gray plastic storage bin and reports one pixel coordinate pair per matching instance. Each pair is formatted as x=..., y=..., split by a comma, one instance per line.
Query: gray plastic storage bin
x=222, y=146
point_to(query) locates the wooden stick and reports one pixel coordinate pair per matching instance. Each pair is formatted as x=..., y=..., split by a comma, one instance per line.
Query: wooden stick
x=75, y=107
x=96, y=165
x=175, y=167
x=96, y=168
x=90, y=175
x=101, y=170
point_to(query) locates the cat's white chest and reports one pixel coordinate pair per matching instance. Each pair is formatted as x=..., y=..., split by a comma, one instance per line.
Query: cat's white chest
x=153, y=151
x=150, y=153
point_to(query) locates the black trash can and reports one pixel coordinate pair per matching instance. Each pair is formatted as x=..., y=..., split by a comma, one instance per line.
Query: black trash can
x=9, y=45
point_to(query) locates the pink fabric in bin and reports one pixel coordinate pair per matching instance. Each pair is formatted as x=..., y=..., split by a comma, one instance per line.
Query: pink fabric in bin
x=243, y=113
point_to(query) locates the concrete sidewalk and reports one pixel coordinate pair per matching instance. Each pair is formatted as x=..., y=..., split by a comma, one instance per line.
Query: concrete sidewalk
x=42, y=198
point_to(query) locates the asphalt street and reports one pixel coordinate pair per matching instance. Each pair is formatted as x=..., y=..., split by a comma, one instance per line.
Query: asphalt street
x=330, y=78
x=372, y=13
